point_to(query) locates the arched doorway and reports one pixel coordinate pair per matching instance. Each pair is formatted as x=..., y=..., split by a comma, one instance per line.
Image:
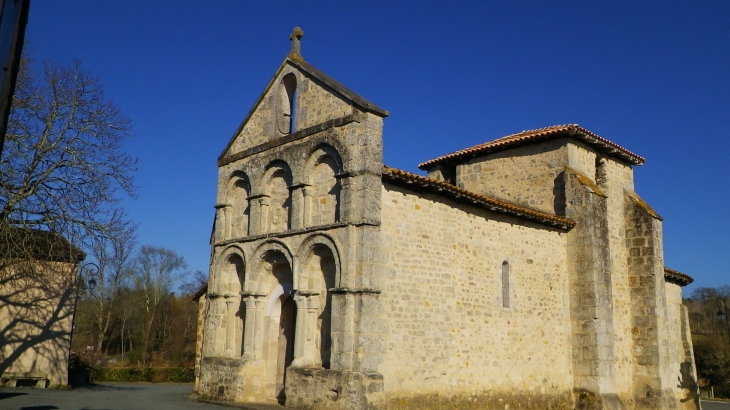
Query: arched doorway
x=275, y=273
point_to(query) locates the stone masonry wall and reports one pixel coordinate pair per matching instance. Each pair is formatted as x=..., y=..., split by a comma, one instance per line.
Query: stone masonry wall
x=525, y=175
x=284, y=198
x=591, y=301
x=315, y=105
x=613, y=177
x=651, y=385
x=618, y=177
x=450, y=335
x=682, y=374
x=200, y=336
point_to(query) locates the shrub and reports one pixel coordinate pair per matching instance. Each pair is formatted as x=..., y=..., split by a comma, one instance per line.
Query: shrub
x=143, y=374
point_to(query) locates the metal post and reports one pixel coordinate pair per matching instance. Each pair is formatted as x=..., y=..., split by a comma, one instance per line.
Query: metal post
x=93, y=276
x=723, y=313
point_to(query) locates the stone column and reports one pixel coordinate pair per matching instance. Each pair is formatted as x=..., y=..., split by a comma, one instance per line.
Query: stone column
x=211, y=323
x=307, y=206
x=300, y=330
x=221, y=223
x=254, y=215
x=346, y=205
x=305, y=353
x=253, y=327
x=298, y=204
x=310, y=348
x=264, y=214
x=230, y=326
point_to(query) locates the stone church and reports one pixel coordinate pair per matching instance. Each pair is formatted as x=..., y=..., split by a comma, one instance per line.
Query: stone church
x=524, y=272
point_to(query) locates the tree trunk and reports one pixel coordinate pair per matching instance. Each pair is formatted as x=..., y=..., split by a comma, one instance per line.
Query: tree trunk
x=104, y=327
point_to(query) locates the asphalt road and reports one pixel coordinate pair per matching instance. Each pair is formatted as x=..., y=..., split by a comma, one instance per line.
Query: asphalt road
x=715, y=405
x=138, y=396
x=109, y=396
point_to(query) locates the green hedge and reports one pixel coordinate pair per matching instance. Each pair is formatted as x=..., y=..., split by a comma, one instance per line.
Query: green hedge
x=143, y=374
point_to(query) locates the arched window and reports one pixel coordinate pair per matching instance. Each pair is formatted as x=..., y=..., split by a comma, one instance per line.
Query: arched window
x=326, y=192
x=601, y=170
x=321, y=269
x=322, y=196
x=506, y=302
x=230, y=312
x=238, y=192
x=286, y=101
x=279, y=204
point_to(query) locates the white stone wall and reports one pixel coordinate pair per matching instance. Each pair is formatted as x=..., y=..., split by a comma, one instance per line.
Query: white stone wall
x=449, y=330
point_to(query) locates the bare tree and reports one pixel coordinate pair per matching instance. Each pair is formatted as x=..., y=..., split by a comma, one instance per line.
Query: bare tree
x=114, y=256
x=64, y=165
x=156, y=271
x=194, y=281
x=62, y=175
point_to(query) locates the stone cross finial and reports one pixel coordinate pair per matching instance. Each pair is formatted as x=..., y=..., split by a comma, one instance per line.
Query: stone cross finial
x=295, y=36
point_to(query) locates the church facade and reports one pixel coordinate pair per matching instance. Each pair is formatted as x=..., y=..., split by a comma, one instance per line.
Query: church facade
x=523, y=272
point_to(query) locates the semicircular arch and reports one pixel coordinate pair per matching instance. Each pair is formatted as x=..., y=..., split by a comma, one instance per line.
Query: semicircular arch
x=268, y=253
x=307, y=248
x=230, y=270
x=237, y=212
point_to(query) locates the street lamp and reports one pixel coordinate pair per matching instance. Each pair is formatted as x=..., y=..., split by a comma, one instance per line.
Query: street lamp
x=91, y=275
x=722, y=313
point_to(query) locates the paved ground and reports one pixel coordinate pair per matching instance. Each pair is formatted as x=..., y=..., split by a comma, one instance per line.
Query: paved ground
x=715, y=405
x=138, y=396
x=110, y=396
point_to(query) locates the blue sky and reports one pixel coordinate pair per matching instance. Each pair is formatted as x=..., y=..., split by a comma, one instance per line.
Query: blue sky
x=651, y=76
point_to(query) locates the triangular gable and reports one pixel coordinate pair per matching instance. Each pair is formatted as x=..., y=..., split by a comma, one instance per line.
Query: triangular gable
x=332, y=85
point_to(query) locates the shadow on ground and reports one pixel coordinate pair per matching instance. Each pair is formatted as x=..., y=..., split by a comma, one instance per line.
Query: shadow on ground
x=9, y=395
x=105, y=387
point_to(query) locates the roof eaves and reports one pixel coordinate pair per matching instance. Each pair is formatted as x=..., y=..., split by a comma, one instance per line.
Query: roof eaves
x=202, y=291
x=679, y=278
x=252, y=110
x=571, y=130
x=335, y=85
x=462, y=195
x=641, y=203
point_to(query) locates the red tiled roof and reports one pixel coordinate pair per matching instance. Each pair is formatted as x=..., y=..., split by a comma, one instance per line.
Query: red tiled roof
x=571, y=130
x=416, y=181
x=679, y=278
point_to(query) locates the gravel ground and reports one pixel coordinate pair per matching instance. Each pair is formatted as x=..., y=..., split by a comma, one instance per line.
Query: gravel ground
x=111, y=396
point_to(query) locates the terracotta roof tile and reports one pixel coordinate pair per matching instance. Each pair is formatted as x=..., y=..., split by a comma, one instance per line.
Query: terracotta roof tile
x=417, y=181
x=679, y=278
x=571, y=130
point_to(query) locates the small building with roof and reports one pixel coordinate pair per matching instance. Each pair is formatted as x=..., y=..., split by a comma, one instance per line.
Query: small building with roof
x=524, y=272
x=37, y=303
